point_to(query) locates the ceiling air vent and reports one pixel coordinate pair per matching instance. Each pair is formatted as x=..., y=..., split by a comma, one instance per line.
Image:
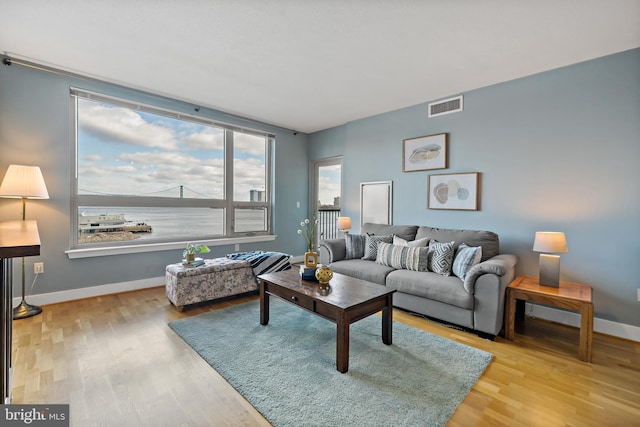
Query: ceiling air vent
x=446, y=106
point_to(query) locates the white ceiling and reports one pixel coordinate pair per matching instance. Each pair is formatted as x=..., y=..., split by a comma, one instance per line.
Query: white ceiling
x=308, y=65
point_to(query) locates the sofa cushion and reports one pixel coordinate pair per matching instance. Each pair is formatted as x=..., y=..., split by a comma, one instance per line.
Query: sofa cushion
x=487, y=239
x=446, y=289
x=441, y=257
x=354, y=245
x=371, y=247
x=403, y=257
x=361, y=269
x=466, y=257
x=420, y=243
x=407, y=232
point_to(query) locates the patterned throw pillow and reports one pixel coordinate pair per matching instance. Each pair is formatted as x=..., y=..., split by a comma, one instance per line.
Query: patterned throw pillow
x=421, y=243
x=355, y=245
x=371, y=246
x=440, y=257
x=466, y=257
x=403, y=257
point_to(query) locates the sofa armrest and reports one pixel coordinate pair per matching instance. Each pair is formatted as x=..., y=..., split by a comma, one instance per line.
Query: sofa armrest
x=332, y=250
x=502, y=265
x=488, y=281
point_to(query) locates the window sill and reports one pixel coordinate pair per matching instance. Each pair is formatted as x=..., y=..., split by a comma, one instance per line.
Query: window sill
x=157, y=247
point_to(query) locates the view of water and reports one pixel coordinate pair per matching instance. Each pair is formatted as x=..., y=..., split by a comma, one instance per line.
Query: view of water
x=183, y=223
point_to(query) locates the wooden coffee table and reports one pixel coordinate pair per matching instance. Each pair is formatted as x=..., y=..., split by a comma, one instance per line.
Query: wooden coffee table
x=346, y=301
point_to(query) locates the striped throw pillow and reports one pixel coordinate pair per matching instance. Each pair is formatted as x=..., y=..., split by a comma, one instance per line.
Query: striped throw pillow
x=466, y=257
x=354, y=245
x=403, y=257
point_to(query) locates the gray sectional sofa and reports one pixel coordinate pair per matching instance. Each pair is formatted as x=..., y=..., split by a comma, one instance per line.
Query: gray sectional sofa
x=475, y=302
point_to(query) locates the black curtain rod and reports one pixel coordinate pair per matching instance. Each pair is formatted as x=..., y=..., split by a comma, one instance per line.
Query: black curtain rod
x=8, y=61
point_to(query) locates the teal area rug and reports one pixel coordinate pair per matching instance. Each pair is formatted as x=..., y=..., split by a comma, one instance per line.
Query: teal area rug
x=287, y=370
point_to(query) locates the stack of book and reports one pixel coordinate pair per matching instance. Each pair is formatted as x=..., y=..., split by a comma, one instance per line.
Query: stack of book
x=308, y=273
x=192, y=264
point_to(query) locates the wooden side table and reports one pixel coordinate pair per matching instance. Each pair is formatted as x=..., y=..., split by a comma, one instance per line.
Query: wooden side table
x=572, y=296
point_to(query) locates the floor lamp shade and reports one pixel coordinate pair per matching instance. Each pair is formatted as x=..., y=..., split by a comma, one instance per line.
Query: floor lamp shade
x=550, y=242
x=24, y=182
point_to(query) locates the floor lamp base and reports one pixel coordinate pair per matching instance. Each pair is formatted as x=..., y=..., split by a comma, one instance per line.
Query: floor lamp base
x=25, y=310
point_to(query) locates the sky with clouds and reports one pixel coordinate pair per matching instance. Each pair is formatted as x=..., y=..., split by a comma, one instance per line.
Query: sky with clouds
x=134, y=153
x=329, y=183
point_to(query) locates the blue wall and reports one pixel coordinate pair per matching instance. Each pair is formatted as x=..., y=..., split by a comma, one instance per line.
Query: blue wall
x=557, y=151
x=35, y=129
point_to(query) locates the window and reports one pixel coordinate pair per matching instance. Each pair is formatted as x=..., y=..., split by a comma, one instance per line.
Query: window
x=148, y=175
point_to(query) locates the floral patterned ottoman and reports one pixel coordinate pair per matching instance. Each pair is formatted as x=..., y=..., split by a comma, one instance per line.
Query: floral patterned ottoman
x=217, y=278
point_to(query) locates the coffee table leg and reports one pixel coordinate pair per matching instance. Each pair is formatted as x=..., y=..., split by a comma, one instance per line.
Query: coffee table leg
x=264, y=304
x=387, y=321
x=342, y=343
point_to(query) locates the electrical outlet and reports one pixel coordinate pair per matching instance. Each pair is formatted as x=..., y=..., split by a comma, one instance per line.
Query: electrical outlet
x=638, y=294
x=238, y=248
x=38, y=267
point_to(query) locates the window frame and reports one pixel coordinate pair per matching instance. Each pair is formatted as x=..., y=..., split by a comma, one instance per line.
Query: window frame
x=228, y=204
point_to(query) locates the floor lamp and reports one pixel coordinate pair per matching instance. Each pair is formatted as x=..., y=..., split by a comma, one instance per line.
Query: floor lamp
x=24, y=182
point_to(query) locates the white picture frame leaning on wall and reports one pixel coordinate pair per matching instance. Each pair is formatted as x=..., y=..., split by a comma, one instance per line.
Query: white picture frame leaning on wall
x=376, y=202
x=456, y=191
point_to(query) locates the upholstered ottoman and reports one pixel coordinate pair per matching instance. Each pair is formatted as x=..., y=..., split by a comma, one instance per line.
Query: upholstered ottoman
x=217, y=278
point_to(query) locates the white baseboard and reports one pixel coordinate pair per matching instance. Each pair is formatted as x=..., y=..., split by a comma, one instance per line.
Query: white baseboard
x=602, y=326
x=91, y=291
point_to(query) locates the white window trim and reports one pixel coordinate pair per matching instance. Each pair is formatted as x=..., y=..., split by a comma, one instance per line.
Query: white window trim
x=157, y=247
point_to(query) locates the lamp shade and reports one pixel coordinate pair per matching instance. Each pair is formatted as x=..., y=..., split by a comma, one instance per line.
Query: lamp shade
x=550, y=241
x=23, y=181
x=343, y=223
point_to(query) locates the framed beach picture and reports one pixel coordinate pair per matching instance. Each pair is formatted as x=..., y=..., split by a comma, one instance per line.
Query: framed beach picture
x=457, y=191
x=376, y=202
x=424, y=153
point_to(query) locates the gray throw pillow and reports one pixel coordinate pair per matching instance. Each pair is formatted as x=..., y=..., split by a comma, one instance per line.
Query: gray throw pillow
x=354, y=245
x=371, y=246
x=440, y=257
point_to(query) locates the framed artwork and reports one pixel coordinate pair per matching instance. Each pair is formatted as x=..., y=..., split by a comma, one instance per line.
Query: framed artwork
x=457, y=191
x=376, y=202
x=424, y=153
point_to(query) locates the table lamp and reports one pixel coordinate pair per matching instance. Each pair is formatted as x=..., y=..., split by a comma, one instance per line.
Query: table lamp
x=554, y=242
x=24, y=182
x=343, y=223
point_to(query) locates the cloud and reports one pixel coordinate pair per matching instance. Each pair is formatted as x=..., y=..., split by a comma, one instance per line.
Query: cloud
x=122, y=125
x=250, y=144
x=134, y=153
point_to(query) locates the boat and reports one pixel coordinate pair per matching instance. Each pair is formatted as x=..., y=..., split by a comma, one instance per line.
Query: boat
x=108, y=223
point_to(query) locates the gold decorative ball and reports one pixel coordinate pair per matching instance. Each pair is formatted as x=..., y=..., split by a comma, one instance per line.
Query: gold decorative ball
x=323, y=274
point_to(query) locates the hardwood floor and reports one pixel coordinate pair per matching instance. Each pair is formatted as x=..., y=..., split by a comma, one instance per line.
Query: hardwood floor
x=117, y=363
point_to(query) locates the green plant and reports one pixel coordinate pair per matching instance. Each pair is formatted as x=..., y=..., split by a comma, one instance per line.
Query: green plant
x=308, y=230
x=195, y=249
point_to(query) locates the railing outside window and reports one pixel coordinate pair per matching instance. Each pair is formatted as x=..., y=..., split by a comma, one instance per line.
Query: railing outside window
x=327, y=228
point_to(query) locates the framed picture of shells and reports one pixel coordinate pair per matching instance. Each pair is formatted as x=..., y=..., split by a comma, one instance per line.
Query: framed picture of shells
x=457, y=191
x=424, y=153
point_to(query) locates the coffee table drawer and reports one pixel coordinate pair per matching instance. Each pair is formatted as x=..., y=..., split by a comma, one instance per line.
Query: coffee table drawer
x=303, y=301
